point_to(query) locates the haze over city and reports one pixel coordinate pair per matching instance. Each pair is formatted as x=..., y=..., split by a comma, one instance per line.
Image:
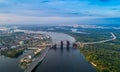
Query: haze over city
x=59, y=11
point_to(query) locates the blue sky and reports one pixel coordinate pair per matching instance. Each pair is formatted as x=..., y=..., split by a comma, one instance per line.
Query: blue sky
x=59, y=11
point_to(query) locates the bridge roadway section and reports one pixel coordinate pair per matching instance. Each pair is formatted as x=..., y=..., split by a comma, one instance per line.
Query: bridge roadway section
x=113, y=38
x=37, y=60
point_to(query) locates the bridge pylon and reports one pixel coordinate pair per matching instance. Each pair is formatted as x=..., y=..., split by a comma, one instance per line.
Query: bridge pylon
x=67, y=44
x=55, y=46
x=74, y=45
x=61, y=44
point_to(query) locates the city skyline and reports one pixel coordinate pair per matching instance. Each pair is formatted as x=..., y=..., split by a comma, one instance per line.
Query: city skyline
x=59, y=12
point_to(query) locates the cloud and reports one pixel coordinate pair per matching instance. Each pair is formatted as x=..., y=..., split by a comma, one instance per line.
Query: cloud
x=18, y=19
x=57, y=11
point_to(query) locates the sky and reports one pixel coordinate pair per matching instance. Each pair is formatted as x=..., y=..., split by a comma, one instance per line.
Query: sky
x=59, y=11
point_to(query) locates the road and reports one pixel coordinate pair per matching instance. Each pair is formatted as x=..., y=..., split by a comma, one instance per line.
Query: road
x=113, y=38
x=36, y=61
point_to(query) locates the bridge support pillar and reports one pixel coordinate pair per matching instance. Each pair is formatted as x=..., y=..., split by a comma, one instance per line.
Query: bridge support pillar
x=74, y=45
x=55, y=46
x=61, y=44
x=67, y=44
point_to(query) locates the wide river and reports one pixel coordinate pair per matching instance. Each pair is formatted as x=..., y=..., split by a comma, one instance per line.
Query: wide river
x=56, y=60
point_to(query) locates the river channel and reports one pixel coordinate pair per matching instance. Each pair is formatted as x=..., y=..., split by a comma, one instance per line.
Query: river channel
x=64, y=60
x=56, y=60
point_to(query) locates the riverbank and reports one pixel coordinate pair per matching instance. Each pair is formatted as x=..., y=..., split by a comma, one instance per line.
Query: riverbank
x=37, y=60
x=104, y=56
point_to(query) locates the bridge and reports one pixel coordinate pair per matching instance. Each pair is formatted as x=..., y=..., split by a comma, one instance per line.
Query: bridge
x=81, y=44
x=61, y=44
x=64, y=44
x=102, y=41
x=113, y=38
x=31, y=67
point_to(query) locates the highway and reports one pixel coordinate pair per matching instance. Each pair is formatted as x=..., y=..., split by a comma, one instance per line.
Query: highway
x=113, y=38
x=37, y=60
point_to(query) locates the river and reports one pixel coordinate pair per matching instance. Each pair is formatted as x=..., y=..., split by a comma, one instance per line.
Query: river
x=64, y=60
x=57, y=60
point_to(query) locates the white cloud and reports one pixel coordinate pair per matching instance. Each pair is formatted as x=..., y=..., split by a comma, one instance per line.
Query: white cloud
x=54, y=11
x=18, y=19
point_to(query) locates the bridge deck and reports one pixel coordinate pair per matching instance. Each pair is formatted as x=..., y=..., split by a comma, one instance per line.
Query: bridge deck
x=113, y=38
